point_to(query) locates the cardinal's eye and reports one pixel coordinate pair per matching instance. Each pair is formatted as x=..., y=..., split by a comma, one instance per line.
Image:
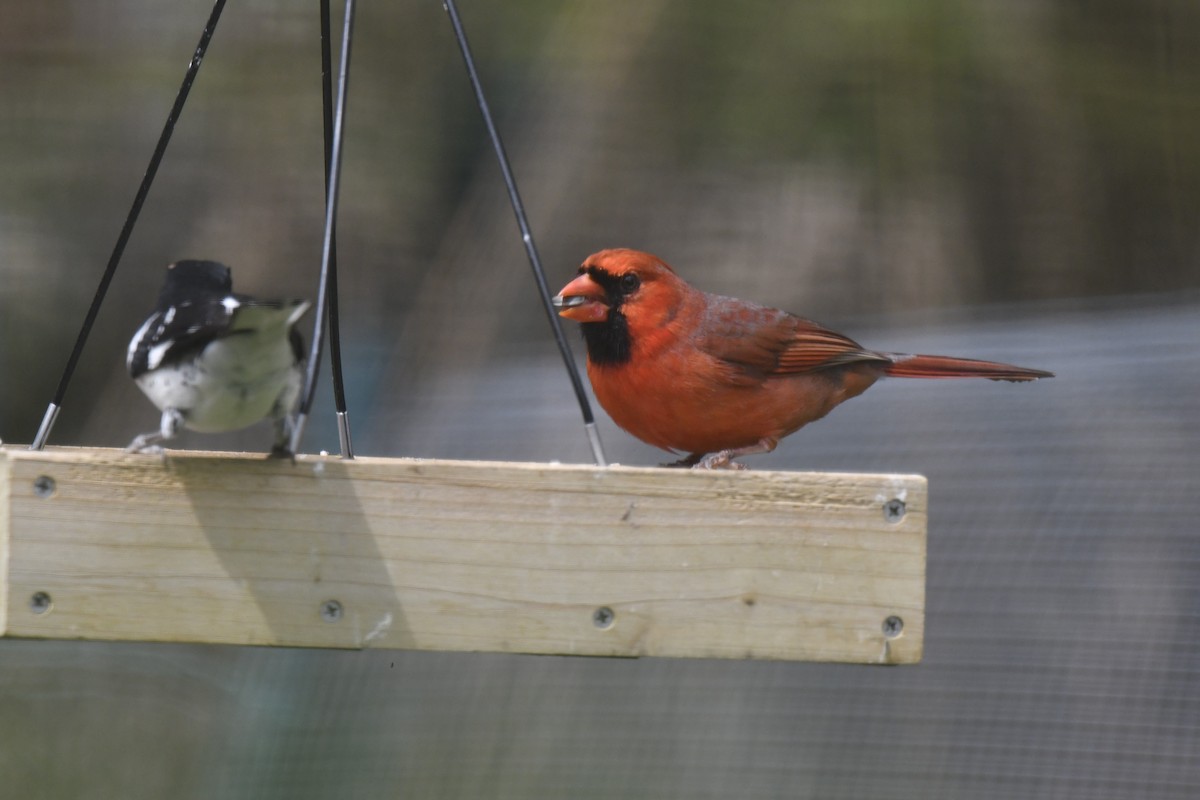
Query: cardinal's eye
x=630, y=283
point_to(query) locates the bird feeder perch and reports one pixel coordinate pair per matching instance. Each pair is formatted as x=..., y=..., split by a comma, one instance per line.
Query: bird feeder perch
x=468, y=556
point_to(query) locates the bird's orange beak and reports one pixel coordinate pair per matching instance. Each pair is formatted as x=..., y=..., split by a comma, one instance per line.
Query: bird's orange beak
x=582, y=300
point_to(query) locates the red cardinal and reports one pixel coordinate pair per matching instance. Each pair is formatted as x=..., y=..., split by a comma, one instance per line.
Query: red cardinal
x=718, y=377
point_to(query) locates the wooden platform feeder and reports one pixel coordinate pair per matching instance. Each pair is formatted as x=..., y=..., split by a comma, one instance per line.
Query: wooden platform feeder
x=451, y=555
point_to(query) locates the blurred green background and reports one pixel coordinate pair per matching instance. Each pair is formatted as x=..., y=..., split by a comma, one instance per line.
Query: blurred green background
x=1010, y=179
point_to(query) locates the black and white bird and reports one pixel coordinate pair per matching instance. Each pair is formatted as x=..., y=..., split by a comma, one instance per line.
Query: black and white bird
x=215, y=361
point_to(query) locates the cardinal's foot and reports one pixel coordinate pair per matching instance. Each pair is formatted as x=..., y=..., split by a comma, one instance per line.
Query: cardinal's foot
x=685, y=463
x=724, y=459
x=720, y=460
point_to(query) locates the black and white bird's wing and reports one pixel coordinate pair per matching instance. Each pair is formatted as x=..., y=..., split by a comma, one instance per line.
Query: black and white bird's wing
x=179, y=330
x=252, y=314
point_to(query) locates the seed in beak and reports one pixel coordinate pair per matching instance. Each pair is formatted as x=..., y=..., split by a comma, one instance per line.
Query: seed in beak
x=569, y=302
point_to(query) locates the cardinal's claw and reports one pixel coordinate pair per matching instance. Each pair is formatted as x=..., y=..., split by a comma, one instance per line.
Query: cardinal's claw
x=721, y=460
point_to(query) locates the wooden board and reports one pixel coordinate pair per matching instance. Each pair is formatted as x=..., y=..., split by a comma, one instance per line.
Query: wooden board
x=452, y=555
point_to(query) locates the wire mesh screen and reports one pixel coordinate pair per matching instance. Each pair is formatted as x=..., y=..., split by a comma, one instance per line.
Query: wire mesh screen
x=1061, y=660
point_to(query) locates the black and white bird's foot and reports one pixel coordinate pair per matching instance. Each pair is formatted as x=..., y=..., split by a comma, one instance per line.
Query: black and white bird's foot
x=147, y=444
x=285, y=426
x=282, y=451
x=152, y=441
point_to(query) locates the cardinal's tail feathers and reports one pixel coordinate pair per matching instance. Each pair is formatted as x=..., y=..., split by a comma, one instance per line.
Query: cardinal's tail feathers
x=909, y=366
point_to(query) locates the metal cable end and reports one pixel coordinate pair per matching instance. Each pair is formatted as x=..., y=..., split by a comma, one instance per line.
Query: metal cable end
x=48, y=421
x=343, y=424
x=594, y=440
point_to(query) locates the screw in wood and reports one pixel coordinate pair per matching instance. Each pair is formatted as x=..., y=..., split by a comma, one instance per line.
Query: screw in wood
x=893, y=510
x=44, y=486
x=893, y=626
x=40, y=602
x=331, y=611
x=603, y=617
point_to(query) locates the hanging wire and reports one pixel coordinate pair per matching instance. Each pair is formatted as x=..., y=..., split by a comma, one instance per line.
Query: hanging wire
x=39, y=441
x=539, y=275
x=327, y=292
x=335, y=334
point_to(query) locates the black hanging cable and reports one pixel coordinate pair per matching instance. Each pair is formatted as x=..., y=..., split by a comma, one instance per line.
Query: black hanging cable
x=164, y=138
x=335, y=335
x=539, y=275
x=327, y=291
